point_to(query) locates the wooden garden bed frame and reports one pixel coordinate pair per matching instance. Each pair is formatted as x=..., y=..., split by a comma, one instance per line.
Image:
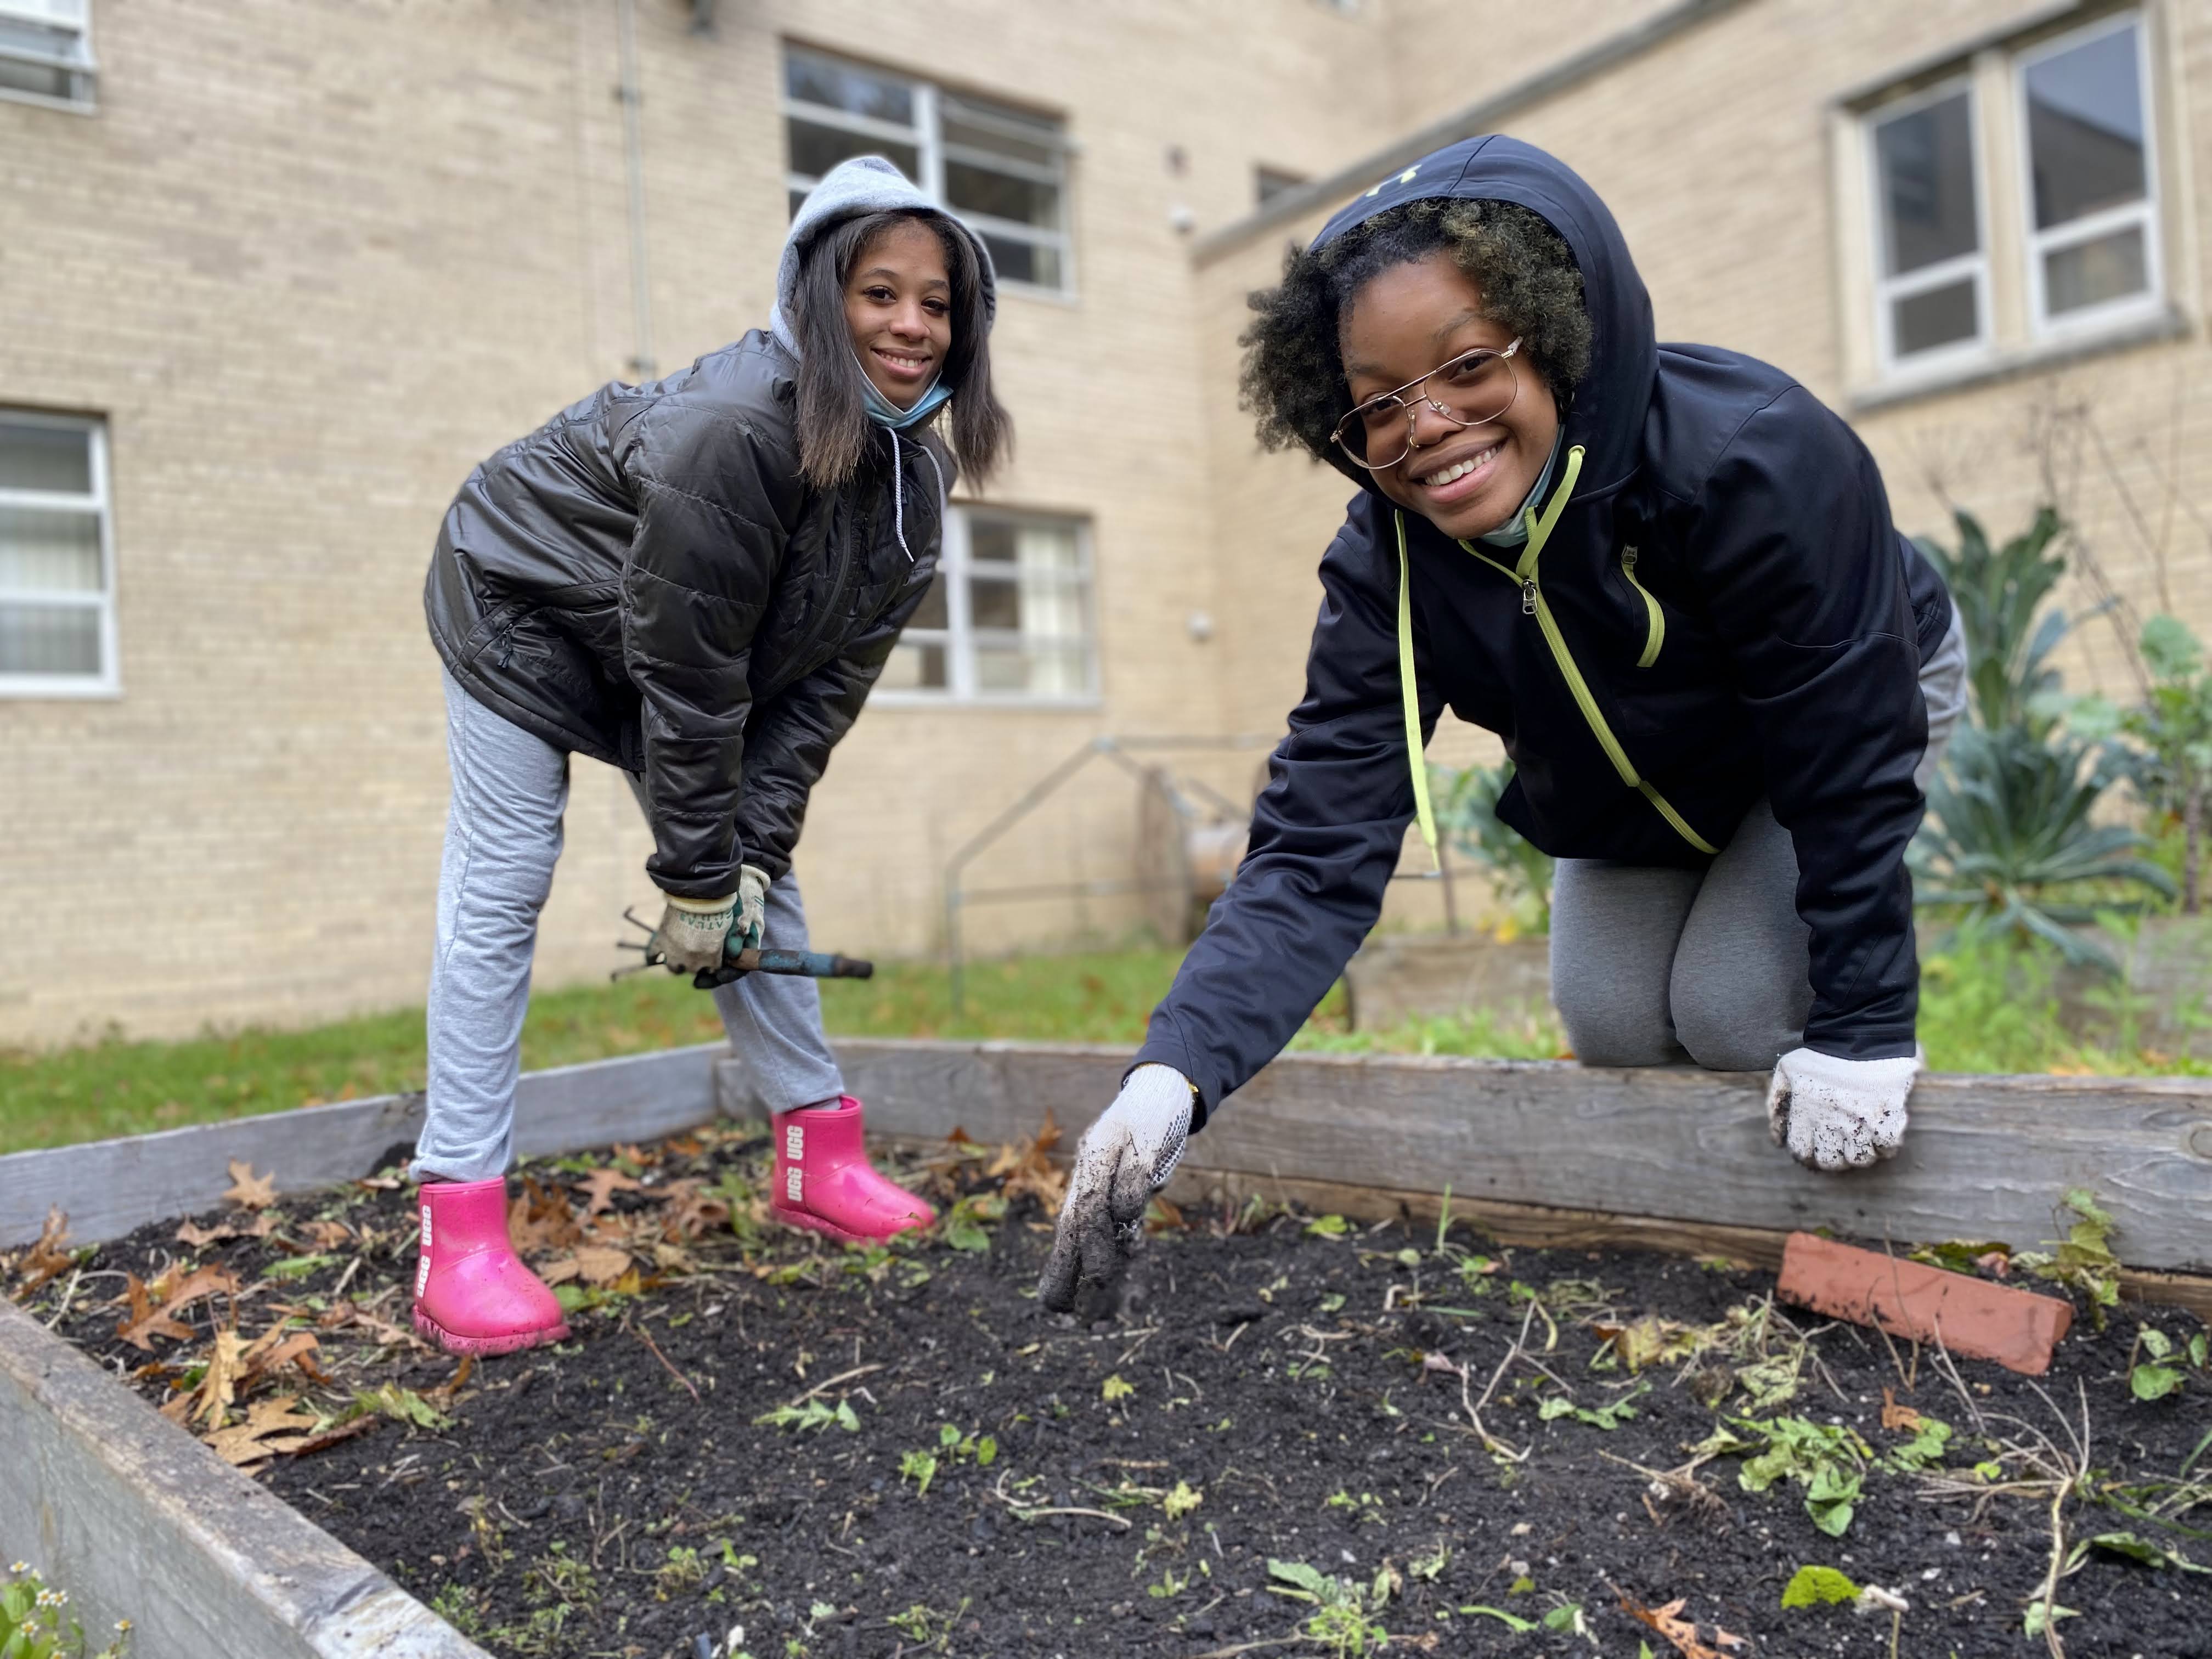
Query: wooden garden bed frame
x=142, y=1521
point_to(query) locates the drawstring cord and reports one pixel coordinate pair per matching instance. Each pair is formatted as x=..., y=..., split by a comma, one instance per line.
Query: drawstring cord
x=898, y=490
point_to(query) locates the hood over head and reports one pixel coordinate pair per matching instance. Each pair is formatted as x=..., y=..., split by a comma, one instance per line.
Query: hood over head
x=1607, y=416
x=864, y=185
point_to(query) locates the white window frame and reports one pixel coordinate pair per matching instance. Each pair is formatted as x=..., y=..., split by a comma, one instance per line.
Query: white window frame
x=108, y=681
x=960, y=636
x=79, y=62
x=2040, y=243
x=1888, y=289
x=927, y=138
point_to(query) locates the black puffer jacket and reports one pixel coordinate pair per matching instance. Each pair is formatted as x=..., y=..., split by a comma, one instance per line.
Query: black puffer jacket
x=646, y=580
x=1740, y=611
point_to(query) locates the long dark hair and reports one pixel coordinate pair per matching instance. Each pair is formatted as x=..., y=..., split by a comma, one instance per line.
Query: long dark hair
x=833, y=421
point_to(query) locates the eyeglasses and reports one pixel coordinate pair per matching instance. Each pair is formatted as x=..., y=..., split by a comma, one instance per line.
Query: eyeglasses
x=1473, y=387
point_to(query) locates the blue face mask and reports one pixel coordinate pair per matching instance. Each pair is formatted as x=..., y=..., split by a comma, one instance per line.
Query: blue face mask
x=883, y=412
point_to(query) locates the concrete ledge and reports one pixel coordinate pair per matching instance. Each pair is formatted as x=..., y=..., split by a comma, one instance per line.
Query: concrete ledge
x=139, y=1521
x=110, y=1186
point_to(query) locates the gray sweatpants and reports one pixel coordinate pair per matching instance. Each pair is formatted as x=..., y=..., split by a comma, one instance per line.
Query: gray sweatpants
x=503, y=840
x=1657, y=967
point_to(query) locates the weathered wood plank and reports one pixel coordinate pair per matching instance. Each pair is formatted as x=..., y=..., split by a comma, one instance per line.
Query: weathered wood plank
x=1988, y=1157
x=139, y=1521
x=108, y=1187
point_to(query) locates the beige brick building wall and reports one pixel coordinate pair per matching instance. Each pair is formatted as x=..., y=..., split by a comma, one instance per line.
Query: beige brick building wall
x=310, y=260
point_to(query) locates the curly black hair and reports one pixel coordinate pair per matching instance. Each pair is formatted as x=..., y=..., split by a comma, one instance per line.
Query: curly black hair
x=1293, y=376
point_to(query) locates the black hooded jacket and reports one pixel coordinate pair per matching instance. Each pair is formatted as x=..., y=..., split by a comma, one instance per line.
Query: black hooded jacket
x=1725, y=578
x=646, y=580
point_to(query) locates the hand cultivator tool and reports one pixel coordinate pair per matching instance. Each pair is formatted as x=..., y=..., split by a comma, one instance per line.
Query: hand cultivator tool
x=736, y=964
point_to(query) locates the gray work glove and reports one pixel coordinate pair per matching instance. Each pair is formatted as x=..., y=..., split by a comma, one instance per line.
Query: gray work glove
x=1123, y=1158
x=1835, y=1114
x=692, y=934
x=752, y=909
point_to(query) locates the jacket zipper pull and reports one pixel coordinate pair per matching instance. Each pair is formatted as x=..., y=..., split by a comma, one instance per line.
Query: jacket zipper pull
x=1528, y=595
x=1628, y=561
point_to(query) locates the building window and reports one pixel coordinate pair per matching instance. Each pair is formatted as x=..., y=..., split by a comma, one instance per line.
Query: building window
x=2093, y=235
x=1002, y=170
x=1268, y=183
x=1970, y=265
x=1008, y=618
x=57, y=563
x=1933, y=272
x=46, y=51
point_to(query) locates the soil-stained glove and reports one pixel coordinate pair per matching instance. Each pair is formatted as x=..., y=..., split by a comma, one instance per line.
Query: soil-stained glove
x=1835, y=1114
x=692, y=932
x=752, y=909
x=1124, y=1157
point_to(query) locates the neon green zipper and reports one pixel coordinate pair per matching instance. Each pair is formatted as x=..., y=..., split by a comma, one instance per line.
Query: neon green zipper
x=1658, y=638
x=1523, y=574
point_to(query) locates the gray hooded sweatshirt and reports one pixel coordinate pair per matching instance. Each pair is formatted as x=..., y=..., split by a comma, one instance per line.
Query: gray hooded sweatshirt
x=648, y=579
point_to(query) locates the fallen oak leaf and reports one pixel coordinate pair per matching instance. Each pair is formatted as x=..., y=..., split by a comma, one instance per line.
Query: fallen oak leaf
x=46, y=1260
x=147, y=1319
x=602, y=1185
x=271, y=1426
x=199, y=1237
x=273, y=1350
x=212, y=1400
x=1687, y=1639
x=248, y=1190
x=539, y=1222
x=602, y=1264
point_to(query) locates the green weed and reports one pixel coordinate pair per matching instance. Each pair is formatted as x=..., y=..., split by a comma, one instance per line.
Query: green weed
x=36, y=1622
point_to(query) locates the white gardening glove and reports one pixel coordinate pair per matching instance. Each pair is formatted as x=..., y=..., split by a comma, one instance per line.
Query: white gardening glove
x=1840, y=1114
x=692, y=932
x=752, y=909
x=1124, y=1157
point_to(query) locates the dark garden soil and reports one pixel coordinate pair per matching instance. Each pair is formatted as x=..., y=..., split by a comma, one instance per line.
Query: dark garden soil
x=1303, y=1435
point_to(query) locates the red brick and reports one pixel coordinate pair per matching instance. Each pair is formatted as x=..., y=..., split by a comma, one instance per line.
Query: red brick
x=2016, y=1329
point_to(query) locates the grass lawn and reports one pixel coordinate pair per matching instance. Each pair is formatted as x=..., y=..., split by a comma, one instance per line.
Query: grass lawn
x=119, y=1088
x=1984, y=1008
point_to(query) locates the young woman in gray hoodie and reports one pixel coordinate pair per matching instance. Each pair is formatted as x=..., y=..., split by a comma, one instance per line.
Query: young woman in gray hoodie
x=697, y=581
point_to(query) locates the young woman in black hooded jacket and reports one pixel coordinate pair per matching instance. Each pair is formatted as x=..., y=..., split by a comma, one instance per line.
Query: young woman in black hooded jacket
x=697, y=581
x=1665, y=575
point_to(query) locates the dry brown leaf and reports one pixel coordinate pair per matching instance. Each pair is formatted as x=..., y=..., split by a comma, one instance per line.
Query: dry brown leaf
x=539, y=1222
x=199, y=1237
x=273, y=1350
x=46, y=1260
x=212, y=1400
x=602, y=1185
x=345, y=1313
x=644, y=1158
x=328, y=1235
x=601, y=1264
x=154, y=1309
x=271, y=1426
x=248, y=1190
x=1894, y=1416
x=689, y=1212
x=1687, y=1639
x=1031, y=1169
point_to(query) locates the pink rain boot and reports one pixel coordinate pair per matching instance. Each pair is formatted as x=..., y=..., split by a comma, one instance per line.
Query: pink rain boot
x=472, y=1294
x=823, y=1180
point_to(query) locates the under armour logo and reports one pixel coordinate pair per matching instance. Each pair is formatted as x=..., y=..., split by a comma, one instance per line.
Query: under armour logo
x=1404, y=177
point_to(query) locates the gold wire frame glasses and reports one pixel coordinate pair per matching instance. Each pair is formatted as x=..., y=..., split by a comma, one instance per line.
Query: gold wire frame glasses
x=1468, y=390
